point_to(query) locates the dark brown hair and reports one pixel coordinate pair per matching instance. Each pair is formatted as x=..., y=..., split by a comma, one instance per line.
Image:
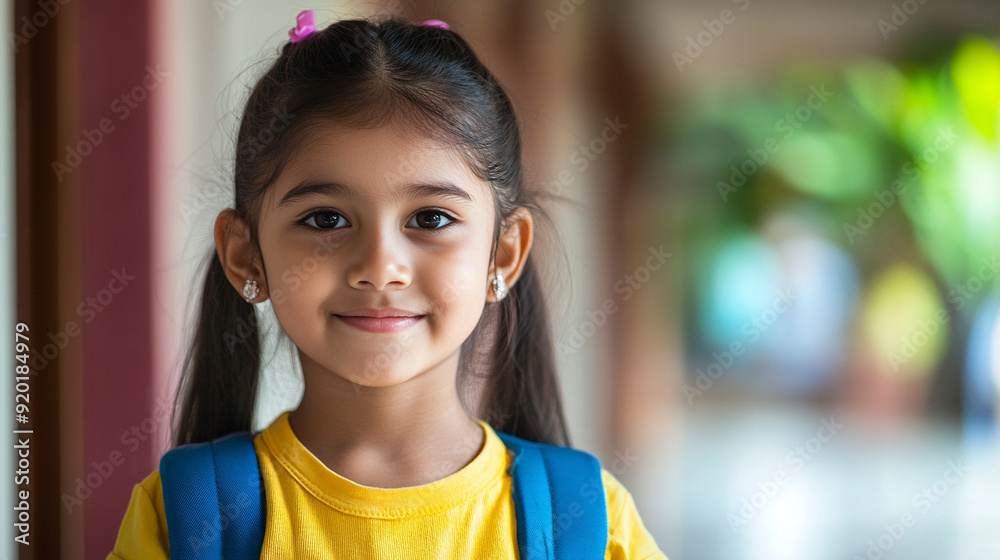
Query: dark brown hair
x=364, y=73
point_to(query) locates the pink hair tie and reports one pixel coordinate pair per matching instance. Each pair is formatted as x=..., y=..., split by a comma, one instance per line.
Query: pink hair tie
x=435, y=23
x=305, y=25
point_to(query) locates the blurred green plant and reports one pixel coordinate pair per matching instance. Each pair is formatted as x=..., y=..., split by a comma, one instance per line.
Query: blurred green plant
x=900, y=159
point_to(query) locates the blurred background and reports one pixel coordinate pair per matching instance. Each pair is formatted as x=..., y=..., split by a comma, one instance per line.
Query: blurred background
x=780, y=322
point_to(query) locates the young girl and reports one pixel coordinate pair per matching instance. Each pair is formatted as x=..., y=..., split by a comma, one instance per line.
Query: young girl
x=380, y=205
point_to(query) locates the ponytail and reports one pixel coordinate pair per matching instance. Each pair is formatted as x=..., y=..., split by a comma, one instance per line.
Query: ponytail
x=218, y=387
x=523, y=392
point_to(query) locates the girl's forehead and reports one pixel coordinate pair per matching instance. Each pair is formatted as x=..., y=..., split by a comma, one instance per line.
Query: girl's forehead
x=378, y=160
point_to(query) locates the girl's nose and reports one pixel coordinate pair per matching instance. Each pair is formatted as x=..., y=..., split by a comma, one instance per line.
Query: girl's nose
x=380, y=262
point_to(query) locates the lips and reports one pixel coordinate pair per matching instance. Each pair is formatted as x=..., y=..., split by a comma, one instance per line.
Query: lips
x=380, y=320
x=378, y=312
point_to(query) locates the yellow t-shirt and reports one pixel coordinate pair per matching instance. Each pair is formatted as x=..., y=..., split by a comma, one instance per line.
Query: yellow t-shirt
x=312, y=512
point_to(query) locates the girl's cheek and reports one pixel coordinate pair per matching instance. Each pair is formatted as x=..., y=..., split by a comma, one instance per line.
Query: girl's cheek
x=325, y=244
x=296, y=270
x=456, y=287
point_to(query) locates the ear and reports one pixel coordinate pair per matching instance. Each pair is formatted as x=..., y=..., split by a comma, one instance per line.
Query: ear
x=512, y=249
x=237, y=254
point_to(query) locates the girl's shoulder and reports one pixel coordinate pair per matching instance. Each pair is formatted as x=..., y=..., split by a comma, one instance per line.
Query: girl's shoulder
x=627, y=535
x=617, y=496
x=143, y=532
x=152, y=486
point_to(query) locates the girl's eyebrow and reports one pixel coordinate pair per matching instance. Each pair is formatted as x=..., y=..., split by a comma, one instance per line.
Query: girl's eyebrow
x=332, y=189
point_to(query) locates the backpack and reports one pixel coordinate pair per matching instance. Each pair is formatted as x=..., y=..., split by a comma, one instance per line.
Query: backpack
x=214, y=500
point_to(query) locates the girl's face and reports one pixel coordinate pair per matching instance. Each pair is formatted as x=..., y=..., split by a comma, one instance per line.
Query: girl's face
x=364, y=219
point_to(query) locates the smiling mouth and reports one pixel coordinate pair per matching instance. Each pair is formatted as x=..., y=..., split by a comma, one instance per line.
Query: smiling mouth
x=380, y=324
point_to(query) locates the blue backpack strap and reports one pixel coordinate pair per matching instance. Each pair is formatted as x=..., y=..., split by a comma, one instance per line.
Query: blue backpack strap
x=214, y=499
x=559, y=501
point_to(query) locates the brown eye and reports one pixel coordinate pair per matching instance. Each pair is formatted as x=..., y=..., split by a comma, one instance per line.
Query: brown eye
x=432, y=219
x=324, y=220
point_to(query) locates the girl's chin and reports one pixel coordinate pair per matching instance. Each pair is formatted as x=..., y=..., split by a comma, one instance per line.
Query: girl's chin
x=368, y=374
x=380, y=380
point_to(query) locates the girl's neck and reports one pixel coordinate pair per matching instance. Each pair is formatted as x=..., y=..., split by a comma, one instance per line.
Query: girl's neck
x=387, y=437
